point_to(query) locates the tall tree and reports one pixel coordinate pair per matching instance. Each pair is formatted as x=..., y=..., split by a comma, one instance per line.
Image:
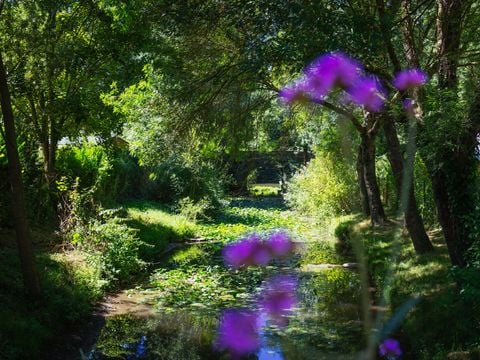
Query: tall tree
x=413, y=219
x=63, y=58
x=22, y=229
x=448, y=137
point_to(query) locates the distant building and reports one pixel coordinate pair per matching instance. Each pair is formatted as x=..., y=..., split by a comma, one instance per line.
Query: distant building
x=115, y=140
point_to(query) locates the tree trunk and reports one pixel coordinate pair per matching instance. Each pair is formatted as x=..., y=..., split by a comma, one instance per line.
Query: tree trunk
x=452, y=172
x=22, y=230
x=361, y=184
x=450, y=226
x=413, y=219
x=377, y=213
x=49, y=152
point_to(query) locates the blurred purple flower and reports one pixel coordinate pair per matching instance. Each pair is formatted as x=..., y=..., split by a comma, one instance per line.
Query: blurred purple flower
x=249, y=251
x=390, y=348
x=238, y=332
x=278, y=297
x=261, y=255
x=329, y=70
x=369, y=93
x=321, y=76
x=279, y=244
x=296, y=92
x=239, y=253
x=408, y=79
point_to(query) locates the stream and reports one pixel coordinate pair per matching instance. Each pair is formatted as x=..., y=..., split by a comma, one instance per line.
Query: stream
x=175, y=314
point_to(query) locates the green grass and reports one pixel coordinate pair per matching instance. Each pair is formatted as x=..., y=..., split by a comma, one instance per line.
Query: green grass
x=253, y=215
x=265, y=190
x=69, y=286
x=400, y=274
x=157, y=226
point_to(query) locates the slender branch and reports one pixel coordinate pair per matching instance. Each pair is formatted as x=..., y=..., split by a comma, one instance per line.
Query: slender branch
x=345, y=113
x=376, y=125
x=386, y=35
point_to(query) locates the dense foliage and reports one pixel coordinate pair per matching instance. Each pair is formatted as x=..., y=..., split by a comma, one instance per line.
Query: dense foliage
x=324, y=188
x=128, y=127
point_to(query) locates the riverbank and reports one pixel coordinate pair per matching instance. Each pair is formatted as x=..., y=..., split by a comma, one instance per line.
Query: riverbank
x=61, y=323
x=432, y=329
x=174, y=313
x=186, y=286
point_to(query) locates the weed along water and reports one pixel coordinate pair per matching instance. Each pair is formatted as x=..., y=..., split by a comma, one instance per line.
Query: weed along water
x=182, y=310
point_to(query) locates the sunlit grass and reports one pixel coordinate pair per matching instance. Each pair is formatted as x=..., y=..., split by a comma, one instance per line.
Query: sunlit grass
x=157, y=226
x=400, y=273
x=265, y=190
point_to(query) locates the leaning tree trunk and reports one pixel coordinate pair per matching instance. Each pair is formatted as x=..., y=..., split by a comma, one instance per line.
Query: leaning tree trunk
x=451, y=188
x=413, y=219
x=361, y=183
x=452, y=173
x=22, y=230
x=377, y=213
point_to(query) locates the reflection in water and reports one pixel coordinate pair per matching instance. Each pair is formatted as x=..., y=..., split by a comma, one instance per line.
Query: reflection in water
x=270, y=348
x=326, y=325
x=270, y=353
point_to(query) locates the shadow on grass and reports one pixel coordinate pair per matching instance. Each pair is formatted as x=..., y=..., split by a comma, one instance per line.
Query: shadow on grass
x=157, y=226
x=424, y=332
x=29, y=328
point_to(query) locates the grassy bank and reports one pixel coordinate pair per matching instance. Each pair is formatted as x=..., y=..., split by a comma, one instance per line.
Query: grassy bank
x=433, y=328
x=72, y=280
x=69, y=284
x=192, y=285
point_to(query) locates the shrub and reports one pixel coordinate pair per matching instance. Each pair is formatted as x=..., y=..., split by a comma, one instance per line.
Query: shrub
x=109, y=175
x=343, y=234
x=194, y=210
x=115, y=248
x=324, y=188
x=177, y=178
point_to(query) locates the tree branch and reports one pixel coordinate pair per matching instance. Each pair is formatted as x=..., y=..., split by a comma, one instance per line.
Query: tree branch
x=345, y=113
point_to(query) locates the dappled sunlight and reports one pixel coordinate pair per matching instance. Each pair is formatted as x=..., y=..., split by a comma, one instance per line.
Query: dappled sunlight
x=257, y=180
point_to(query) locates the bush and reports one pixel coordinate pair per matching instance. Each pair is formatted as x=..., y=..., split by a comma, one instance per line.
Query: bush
x=109, y=175
x=177, y=178
x=324, y=188
x=194, y=210
x=343, y=234
x=115, y=248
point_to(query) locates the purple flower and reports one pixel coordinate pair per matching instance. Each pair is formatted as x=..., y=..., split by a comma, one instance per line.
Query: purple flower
x=296, y=92
x=238, y=332
x=239, y=253
x=330, y=70
x=261, y=255
x=249, y=251
x=390, y=348
x=369, y=93
x=408, y=79
x=278, y=297
x=279, y=244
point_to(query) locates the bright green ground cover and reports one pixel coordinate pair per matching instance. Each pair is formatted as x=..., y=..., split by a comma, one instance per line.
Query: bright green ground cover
x=193, y=280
